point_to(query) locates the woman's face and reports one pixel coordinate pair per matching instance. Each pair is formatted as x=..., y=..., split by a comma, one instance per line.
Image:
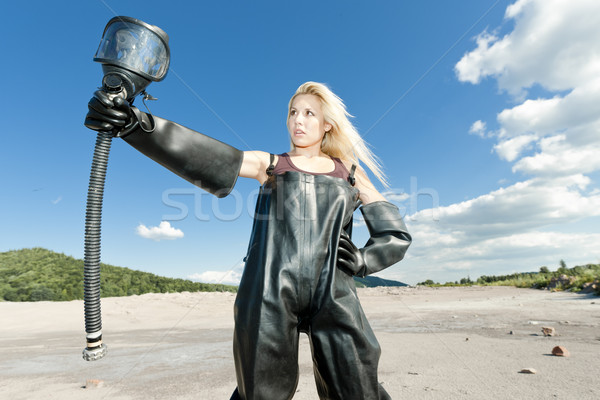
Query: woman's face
x=305, y=122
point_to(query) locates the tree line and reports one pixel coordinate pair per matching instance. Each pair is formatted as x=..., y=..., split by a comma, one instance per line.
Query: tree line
x=577, y=278
x=39, y=274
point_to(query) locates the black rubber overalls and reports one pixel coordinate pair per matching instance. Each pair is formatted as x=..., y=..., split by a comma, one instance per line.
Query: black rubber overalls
x=291, y=284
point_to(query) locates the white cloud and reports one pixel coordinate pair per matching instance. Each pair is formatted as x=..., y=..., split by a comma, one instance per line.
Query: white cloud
x=511, y=148
x=559, y=156
x=472, y=67
x=230, y=277
x=478, y=128
x=396, y=196
x=453, y=258
x=563, y=130
x=57, y=200
x=358, y=220
x=502, y=232
x=522, y=207
x=554, y=45
x=164, y=231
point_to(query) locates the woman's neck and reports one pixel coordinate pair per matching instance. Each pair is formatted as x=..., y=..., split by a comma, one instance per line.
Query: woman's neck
x=308, y=152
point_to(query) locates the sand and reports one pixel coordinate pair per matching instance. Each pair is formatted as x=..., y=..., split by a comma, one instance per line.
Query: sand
x=445, y=343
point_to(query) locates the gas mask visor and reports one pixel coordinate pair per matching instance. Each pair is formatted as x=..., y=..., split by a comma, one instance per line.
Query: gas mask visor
x=132, y=49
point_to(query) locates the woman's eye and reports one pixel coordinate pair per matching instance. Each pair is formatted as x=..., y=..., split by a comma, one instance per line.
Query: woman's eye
x=293, y=112
x=309, y=113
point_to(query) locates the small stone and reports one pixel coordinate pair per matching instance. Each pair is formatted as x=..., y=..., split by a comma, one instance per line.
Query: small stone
x=533, y=322
x=528, y=371
x=467, y=339
x=548, y=331
x=511, y=333
x=560, y=351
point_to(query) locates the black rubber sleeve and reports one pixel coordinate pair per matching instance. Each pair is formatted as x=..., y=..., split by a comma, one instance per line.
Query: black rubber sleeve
x=206, y=162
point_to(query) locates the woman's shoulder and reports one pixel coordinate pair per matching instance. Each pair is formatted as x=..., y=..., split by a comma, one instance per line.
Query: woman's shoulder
x=346, y=163
x=256, y=157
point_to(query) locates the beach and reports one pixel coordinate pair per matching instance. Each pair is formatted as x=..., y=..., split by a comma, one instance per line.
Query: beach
x=437, y=343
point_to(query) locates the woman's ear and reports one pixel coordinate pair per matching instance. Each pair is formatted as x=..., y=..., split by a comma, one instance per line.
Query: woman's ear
x=327, y=127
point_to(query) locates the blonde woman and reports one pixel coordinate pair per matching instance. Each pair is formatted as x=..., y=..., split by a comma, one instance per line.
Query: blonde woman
x=301, y=260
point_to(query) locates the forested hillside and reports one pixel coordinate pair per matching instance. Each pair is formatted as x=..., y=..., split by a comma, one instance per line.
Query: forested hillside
x=39, y=274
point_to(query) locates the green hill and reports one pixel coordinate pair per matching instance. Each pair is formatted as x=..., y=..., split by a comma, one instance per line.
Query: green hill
x=373, y=281
x=42, y=275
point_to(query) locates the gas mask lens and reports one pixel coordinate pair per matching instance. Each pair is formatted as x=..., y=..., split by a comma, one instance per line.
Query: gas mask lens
x=134, y=47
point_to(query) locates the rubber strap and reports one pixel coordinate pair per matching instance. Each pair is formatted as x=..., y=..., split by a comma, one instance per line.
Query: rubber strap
x=271, y=166
x=351, y=178
x=138, y=120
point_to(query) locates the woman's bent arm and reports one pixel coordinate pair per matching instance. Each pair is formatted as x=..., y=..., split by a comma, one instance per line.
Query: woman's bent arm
x=368, y=193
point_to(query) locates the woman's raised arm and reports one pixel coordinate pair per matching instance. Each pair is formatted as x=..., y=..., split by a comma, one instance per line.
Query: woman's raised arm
x=254, y=165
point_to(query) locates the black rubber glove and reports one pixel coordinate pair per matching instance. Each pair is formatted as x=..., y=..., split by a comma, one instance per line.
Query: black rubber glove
x=107, y=113
x=387, y=245
x=350, y=258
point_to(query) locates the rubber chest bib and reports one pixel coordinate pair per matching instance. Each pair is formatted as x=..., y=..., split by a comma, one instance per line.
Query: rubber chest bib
x=297, y=223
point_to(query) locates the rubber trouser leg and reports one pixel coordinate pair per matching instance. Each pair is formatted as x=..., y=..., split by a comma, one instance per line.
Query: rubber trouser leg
x=265, y=347
x=345, y=350
x=235, y=395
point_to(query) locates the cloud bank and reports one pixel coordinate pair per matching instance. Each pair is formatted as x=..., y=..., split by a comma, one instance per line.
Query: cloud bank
x=552, y=142
x=230, y=277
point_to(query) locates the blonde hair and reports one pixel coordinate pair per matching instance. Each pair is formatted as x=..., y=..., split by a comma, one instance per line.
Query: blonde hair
x=342, y=140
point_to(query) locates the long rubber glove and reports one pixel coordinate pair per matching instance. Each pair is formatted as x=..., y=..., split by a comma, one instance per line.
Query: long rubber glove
x=387, y=245
x=206, y=162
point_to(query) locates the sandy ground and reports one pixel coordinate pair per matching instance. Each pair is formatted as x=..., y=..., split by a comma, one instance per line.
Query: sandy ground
x=446, y=343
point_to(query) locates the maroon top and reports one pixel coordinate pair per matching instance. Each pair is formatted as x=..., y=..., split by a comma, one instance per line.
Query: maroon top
x=284, y=164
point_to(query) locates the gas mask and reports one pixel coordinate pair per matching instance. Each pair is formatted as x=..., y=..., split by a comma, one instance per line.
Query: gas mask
x=133, y=54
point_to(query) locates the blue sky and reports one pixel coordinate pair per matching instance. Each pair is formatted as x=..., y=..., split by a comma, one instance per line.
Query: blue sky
x=484, y=113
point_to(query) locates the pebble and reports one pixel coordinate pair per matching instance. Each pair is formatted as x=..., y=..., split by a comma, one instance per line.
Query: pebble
x=548, y=331
x=528, y=371
x=560, y=351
